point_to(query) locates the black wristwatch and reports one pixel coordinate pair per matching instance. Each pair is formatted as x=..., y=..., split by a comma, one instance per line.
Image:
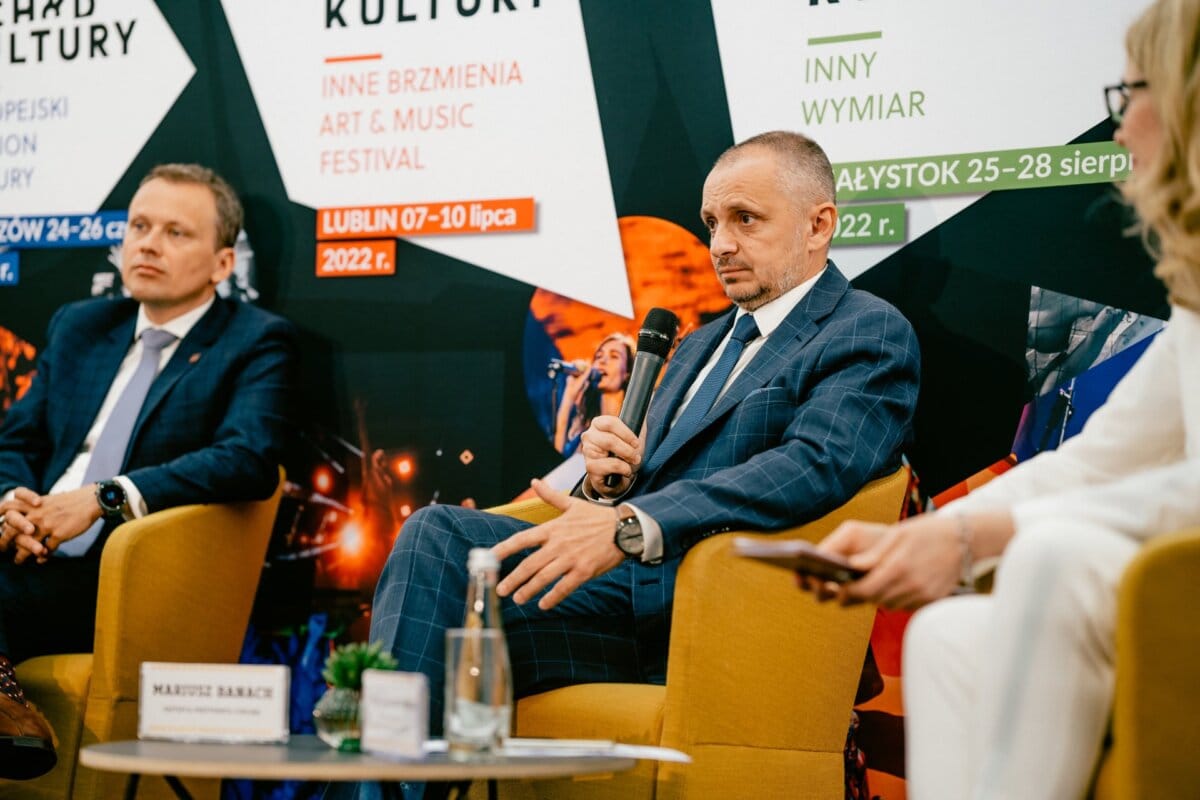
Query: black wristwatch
x=628, y=538
x=112, y=499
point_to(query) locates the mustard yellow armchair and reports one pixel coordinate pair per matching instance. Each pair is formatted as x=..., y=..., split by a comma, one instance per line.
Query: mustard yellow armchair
x=760, y=680
x=176, y=585
x=1156, y=711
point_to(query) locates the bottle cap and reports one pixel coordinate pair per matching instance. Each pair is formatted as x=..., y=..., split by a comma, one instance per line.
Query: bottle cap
x=481, y=558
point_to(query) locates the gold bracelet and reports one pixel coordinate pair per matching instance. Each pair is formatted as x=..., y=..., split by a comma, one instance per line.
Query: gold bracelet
x=966, y=535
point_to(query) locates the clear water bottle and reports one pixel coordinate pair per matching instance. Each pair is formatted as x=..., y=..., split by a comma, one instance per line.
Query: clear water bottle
x=478, y=675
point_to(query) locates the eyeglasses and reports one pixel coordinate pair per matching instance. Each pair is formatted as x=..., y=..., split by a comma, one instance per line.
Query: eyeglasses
x=1117, y=98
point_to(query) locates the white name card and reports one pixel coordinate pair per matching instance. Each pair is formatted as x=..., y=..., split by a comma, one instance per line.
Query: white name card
x=213, y=702
x=395, y=713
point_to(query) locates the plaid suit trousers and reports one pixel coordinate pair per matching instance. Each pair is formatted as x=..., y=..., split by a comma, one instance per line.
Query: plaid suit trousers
x=610, y=629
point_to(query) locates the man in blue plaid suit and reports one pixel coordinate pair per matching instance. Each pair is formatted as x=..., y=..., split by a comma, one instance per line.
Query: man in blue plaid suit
x=813, y=400
x=175, y=396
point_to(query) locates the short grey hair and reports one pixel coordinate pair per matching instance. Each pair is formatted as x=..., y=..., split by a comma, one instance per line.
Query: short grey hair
x=807, y=171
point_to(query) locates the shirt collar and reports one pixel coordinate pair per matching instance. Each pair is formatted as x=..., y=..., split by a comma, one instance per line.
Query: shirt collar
x=770, y=316
x=179, y=326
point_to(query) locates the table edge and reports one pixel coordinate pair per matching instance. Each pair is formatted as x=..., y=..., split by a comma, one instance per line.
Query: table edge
x=375, y=770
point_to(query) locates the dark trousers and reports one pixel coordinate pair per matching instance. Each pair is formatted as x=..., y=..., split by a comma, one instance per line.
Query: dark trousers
x=47, y=608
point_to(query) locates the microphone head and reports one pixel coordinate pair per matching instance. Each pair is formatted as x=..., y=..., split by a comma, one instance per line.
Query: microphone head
x=658, y=332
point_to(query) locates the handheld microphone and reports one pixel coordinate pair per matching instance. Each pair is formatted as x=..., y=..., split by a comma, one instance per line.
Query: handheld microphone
x=558, y=365
x=654, y=343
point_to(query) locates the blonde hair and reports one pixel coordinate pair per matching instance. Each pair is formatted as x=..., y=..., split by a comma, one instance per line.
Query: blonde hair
x=1164, y=43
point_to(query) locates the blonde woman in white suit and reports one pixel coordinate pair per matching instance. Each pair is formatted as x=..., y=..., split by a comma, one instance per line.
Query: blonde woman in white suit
x=1008, y=695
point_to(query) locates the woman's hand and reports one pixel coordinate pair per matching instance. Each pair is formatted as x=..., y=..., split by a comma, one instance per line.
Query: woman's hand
x=575, y=384
x=914, y=562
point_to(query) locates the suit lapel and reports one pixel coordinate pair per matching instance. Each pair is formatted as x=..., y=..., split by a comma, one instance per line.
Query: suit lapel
x=110, y=350
x=190, y=352
x=680, y=377
x=781, y=348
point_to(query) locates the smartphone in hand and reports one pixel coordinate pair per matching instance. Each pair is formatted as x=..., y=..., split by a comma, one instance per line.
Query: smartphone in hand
x=799, y=556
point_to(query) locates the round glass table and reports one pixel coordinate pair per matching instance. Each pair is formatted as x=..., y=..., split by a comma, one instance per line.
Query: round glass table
x=306, y=757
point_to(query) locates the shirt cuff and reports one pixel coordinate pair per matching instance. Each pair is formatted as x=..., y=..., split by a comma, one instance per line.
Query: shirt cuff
x=585, y=487
x=135, y=503
x=652, y=538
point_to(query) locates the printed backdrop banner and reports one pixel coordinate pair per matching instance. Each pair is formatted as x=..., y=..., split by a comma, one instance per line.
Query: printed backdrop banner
x=382, y=104
x=934, y=87
x=467, y=207
x=83, y=84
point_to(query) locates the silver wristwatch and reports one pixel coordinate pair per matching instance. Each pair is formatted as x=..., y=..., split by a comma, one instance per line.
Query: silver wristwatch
x=628, y=538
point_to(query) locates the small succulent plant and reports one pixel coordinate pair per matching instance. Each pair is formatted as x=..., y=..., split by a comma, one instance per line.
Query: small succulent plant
x=345, y=665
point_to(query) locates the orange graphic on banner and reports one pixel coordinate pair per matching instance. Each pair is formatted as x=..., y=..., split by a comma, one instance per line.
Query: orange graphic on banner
x=427, y=219
x=344, y=59
x=356, y=259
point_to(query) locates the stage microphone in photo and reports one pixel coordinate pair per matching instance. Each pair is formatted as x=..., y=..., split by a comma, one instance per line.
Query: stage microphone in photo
x=653, y=344
x=557, y=365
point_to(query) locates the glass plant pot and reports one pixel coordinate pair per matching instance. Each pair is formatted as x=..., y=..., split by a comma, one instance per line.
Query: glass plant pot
x=337, y=720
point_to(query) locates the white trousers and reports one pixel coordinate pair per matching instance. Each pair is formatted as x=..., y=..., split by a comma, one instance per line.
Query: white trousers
x=1007, y=696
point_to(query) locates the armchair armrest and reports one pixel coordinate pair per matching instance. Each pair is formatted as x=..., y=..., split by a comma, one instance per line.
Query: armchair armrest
x=535, y=511
x=177, y=585
x=1155, y=737
x=754, y=661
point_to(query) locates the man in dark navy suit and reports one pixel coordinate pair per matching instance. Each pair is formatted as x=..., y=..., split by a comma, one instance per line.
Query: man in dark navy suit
x=772, y=415
x=172, y=397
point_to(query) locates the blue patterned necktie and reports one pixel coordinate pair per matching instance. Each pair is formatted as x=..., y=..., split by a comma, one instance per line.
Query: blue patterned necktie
x=745, y=331
x=108, y=455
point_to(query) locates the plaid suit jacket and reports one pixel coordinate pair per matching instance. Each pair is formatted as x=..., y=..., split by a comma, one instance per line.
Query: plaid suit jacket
x=825, y=406
x=211, y=428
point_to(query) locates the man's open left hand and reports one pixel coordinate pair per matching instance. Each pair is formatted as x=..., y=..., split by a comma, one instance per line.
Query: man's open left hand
x=571, y=549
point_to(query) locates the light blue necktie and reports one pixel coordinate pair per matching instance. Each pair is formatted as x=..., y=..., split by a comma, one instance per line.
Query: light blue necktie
x=108, y=455
x=746, y=330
